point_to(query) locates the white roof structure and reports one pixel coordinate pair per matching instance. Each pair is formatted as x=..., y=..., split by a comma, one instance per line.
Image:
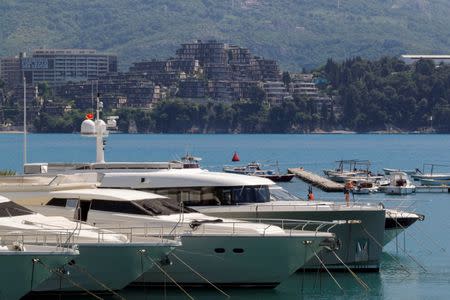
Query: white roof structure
x=175, y=178
x=411, y=58
x=105, y=194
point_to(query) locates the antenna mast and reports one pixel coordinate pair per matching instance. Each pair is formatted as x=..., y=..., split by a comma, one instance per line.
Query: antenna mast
x=24, y=120
x=99, y=126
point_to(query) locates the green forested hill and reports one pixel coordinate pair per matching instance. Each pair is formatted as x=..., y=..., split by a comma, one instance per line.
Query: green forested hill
x=299, y=33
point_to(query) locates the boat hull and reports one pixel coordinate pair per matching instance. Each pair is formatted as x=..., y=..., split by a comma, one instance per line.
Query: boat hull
x=240, y=261
x=279, y=178
x=395, y=226
x=114, y=265
x=19, y=276
x=399, y=190
x=431, y=176
x=435, y=182
x=358, y=249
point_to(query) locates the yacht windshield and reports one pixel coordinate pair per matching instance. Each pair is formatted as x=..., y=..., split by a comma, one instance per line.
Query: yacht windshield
x=162, y=206
x=250, y=194
x=281, y=194
x=11, y=209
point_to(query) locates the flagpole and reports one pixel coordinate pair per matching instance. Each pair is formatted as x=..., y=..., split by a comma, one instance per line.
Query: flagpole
x=24, y=120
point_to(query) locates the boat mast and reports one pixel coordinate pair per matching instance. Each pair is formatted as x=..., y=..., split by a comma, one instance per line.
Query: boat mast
x=24, y=120
x=100, y=151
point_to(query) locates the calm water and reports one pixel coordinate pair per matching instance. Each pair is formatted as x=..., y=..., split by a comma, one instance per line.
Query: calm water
x=427, y=242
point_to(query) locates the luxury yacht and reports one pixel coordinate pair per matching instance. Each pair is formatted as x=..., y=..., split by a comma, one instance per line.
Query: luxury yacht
x=238, y=196
x=225, y=252
x=107, y=261
x=25, y=266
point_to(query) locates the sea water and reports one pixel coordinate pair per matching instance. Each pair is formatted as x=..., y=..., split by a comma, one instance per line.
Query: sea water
x=422, y=272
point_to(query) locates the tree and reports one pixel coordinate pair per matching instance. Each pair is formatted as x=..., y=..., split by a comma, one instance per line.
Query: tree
x=257, y=94
x=286, y=78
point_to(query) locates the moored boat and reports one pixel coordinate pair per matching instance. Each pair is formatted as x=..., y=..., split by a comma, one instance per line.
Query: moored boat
x=226, y=252
x=98, y=248
x=399, y=184
x=255, y=169
x=25, y=265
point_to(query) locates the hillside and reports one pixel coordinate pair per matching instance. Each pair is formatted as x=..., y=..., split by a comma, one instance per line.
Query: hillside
x=301, y=33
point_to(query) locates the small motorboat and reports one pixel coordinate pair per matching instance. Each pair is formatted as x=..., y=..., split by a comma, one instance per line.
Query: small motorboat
x=365, y=187
x=255, y=169
x=190, y=162
x=431, y=174
x=400, y=184
x=435, y=182
x=348, y=170
x=388, y=171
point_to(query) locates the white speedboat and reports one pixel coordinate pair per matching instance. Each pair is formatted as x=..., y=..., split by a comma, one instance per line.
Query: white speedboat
x=225, y=252
x=399, y=184
x=26, y=266
x=93, y=268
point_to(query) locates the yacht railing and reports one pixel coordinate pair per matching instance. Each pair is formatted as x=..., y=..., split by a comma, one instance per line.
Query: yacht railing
x=303, y=225
x=233, y=228
x=19, y=238
x=397, y=203
x=268, y=206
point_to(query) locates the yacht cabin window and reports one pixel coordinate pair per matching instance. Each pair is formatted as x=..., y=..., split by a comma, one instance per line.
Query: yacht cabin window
x=152, y=207
x=208, y=196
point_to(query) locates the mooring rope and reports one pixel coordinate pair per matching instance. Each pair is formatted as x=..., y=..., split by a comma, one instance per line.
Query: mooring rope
x=359, y=280
x=328, y=271
x=381, y=246
x=168, y=276
x=70, y=280
x=83, y=270
x=404, y=230
x=200, y=275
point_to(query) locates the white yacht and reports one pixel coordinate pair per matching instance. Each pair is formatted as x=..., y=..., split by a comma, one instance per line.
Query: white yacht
x=107, y=260
x=399, y=184
x=205, y=190
x=25, y=266
x=238, y=196
x=225, y=252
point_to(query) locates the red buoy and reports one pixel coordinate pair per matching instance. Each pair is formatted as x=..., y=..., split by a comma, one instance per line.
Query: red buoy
x=235, y=157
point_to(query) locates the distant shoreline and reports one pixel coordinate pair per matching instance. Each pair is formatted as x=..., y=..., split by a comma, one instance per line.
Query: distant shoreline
x=336, y=132
x=12, y=132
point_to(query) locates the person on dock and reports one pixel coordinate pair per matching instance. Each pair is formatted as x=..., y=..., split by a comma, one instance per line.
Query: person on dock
x=348, y=187
x=310, y=193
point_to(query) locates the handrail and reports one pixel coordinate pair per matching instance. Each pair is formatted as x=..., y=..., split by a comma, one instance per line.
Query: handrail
x=58, y=239
x=169, y=230
x=303, y=224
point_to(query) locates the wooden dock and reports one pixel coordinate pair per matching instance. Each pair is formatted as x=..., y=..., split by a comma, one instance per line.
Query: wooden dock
x=432, y=189
x=318, y=181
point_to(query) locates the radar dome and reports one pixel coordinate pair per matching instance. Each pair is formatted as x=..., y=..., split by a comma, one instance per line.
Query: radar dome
x=88, y=127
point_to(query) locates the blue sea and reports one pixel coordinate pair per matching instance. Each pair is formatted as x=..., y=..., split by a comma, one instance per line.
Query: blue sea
x=422, y=272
